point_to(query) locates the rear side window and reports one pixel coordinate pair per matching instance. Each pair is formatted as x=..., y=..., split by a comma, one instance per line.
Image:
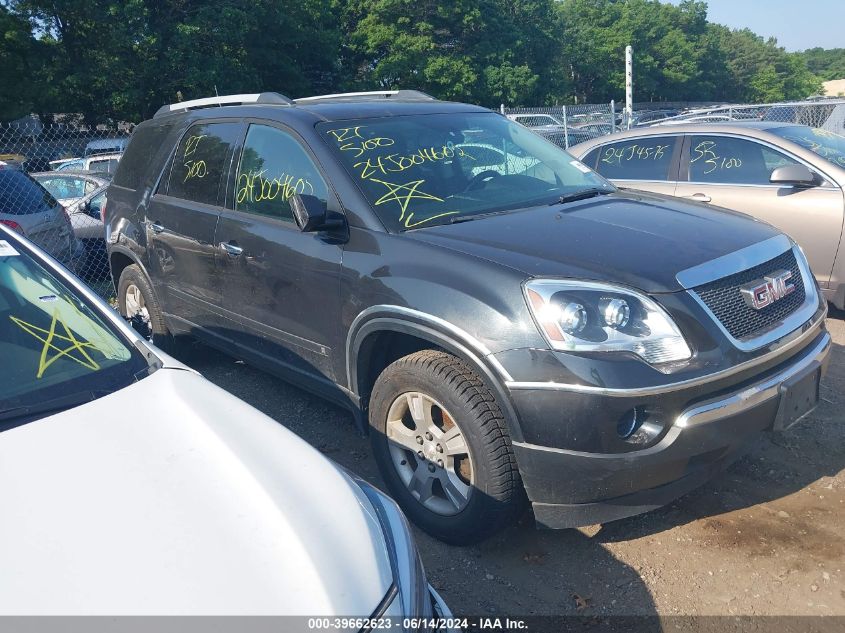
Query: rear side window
x=143, y=145
x=637, y=159
x=726, y=160
x=274, y=167
x=21, y=195
x=201, y=161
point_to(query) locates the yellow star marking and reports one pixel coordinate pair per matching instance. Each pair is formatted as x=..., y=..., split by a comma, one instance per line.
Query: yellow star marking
x=48, y=341
x=403, y=194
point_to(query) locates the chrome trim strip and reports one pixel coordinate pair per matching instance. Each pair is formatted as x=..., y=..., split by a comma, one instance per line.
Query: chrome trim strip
x=794, y=320
x=812, y=331
x=753, y=395
x=466, y=338
x=733, y=263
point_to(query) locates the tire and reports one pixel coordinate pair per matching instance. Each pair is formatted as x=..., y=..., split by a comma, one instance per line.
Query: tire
x=458, y=496
x=132, y=279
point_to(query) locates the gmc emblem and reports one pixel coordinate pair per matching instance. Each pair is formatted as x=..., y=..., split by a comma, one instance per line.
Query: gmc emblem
x=764, y=292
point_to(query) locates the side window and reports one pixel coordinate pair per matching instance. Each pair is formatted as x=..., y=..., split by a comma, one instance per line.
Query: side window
x=201, y=161
x=721, y=159
x=274, y=167
x=590, y=159
x=637, y=159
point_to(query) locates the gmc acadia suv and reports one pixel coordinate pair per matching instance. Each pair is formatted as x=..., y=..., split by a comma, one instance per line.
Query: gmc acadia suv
x=502, y=320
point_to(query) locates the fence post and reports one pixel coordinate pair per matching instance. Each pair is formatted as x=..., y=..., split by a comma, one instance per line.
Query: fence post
x=502, y=109
x=612, y=116
x=565, y=130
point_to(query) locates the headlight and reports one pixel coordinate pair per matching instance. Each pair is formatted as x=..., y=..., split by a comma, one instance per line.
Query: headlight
x=409, y=597
x=584, y=316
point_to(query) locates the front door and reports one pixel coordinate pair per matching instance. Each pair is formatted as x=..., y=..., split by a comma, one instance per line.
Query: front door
x=734, y=172
x=181, y=219
x=281, y=287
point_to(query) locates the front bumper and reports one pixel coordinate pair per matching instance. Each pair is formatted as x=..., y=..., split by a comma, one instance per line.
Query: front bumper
x=569, y=488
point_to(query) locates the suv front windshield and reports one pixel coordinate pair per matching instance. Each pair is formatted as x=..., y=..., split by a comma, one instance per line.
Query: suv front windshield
x=826, y=144
x=423, y=170
x=56, y=351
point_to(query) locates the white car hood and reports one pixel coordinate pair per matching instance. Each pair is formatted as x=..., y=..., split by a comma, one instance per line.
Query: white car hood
x=173, y=497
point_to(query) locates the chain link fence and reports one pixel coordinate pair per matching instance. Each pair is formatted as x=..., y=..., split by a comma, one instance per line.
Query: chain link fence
x=53, y=183
x=572, y=124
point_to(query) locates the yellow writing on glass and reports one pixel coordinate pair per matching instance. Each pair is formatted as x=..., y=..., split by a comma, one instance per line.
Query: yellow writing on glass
x=615, y=155
x=346, y=133
x=51, y=340
x=256, y=187
x=395, y=163
x=194, y=168
x=403, y=194
x=705, y=151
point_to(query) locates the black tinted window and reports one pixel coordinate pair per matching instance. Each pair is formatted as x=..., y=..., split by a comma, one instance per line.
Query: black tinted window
x=637, y=159
x=201, y=161
x=143, y=145
x=273, y=167
x=729, y=160
x=21, y=195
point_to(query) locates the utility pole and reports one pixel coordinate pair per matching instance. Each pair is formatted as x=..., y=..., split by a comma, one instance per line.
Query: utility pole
x=629, y=86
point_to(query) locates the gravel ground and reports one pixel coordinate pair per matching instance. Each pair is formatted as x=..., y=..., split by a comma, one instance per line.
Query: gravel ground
x=767, y=537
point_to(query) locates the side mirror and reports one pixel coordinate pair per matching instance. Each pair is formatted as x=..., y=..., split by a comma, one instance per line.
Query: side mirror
x=309, y=212
x=797, y=175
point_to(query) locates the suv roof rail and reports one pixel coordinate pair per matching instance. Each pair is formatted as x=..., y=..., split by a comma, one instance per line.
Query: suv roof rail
x=404, y=95
x=263, y=97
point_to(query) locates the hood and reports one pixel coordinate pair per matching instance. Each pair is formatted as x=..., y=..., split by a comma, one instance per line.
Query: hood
x=173, y=497
x=640, y=240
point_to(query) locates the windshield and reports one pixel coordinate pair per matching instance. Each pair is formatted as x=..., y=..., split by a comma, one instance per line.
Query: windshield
x=419, y=171
x=826, y=144
x=53, y=344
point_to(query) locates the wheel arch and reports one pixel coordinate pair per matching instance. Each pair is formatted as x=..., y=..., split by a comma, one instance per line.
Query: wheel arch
x=383, y=334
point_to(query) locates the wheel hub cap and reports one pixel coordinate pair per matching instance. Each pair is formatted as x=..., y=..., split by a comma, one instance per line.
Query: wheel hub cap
x=430, y=453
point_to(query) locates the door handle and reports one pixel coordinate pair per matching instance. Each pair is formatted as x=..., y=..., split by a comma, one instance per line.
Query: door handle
x=232, y=250
x=699, y=197
x=156, y=227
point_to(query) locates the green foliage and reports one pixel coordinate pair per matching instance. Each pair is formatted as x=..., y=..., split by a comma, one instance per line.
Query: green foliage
x=123, y=59
x=828, y=64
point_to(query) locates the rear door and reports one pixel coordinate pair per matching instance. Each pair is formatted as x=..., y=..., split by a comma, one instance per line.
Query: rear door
x=182, y=217
x=734, y=172
x=648, y=163
x=281, y=287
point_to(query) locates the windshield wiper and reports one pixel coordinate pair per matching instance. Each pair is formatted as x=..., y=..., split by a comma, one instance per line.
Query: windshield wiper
x=477, y=216
x=50, y=406
x=583, y=194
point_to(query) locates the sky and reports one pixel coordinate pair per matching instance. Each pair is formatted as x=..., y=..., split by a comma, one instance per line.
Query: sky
x=796, y=25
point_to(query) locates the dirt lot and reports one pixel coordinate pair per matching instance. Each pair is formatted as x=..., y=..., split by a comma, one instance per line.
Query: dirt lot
x=765, y=538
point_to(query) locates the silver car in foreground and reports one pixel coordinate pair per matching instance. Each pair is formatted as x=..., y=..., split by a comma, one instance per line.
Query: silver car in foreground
x=133, y=486
x=791, y=176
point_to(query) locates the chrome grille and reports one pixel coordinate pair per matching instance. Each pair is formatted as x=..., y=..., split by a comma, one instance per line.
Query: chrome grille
x=724, y=299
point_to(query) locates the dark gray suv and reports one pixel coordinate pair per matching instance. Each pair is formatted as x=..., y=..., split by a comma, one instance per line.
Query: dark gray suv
x=503, y=321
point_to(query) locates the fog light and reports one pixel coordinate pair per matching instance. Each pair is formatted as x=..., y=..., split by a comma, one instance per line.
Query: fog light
x=573, y=318
x=615, y=312
x=630, y=421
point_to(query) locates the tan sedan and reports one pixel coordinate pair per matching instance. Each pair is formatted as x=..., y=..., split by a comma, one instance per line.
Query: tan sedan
x=791, y=176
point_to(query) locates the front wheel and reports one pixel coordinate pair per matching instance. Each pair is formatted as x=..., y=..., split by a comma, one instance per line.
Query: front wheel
x=441, y=443
x=139, y=305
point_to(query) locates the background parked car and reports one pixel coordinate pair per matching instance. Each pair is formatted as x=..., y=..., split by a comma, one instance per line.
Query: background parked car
x=133, y=485
x=106, y=163
x=791, y=176
x=554, y=130
x=105, y=146
x=83, y=195
x=29, y=209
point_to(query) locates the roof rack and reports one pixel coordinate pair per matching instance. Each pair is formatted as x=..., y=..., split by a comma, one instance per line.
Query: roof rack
x=404, y=95
x=219, y=101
